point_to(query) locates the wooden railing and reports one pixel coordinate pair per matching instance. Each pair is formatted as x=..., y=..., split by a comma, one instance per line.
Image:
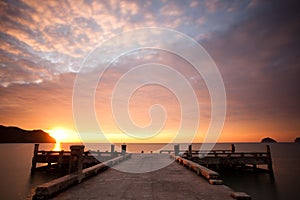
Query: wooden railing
x=63, y=157
x=225, y=157
x=176, y=148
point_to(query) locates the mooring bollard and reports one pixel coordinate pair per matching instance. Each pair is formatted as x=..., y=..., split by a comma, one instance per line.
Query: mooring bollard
x=76, y=159
x=123, y=147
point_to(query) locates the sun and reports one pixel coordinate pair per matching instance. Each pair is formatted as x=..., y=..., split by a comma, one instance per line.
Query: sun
x=59, y=134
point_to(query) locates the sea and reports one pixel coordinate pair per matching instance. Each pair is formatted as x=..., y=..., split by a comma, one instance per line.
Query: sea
x=18, y=183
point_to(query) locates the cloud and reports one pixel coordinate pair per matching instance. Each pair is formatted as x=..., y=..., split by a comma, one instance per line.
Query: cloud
x=229, y=6
x=201, y=20
x=171, y=10
x=57, y=36
x=194, y=4
x=130, y=8
x=212, y=5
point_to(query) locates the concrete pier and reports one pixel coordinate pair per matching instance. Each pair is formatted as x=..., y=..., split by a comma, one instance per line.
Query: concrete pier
x=171, y=182
x=54, y=187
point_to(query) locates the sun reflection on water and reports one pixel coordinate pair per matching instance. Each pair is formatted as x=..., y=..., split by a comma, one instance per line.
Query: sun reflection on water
x=57, y=147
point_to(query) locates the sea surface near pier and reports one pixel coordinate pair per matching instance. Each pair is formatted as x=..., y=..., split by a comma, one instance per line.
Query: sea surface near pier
x=17, y=183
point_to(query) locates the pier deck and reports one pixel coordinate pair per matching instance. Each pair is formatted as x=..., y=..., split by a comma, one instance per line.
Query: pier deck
x=171, y=182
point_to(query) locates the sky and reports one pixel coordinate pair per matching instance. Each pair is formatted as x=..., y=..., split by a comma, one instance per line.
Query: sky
x=254, y=44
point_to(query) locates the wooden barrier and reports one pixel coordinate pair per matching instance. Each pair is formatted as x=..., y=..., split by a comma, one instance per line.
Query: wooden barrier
x=178, y=151
x=62, y=158
x=227, y=158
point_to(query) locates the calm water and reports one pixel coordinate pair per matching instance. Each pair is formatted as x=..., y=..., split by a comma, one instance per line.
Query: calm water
x=17, y=183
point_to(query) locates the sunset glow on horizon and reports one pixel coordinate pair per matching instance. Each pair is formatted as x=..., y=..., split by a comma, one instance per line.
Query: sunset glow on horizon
x=62, y=135
x=254, y=44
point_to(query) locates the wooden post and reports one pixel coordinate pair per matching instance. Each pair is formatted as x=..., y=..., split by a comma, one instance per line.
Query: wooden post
x=76, y=159
x=270, y=167
x=35, y=152
x=60, y=158
x=232, y=148
x=190, y=152
x=123, y=147
x=48, y=158
x=254, y=167
x=112, y=150
x=176, y=149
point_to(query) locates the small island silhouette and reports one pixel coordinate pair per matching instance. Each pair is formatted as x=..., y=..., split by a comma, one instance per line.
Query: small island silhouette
x=11, y=134
x=297, y=140
x=268, y=140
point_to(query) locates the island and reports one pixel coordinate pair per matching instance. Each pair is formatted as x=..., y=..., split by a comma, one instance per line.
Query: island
x=11, y=134
x=268, y=140
x=297, y=140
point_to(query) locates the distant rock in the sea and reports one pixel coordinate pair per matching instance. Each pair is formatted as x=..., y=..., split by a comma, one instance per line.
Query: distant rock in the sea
x=297, y=140
x=10, y=134
x=268, y=140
